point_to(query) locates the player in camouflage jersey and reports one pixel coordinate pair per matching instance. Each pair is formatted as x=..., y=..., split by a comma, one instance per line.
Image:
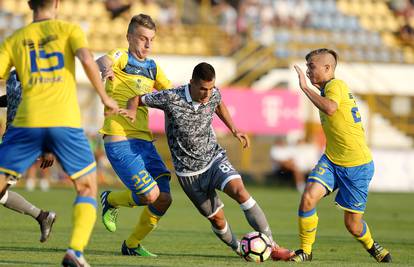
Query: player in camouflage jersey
x=200, y=162
x=13, y=200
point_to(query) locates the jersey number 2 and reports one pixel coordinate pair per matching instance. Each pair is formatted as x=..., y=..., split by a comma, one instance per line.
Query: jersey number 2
x=356, y=115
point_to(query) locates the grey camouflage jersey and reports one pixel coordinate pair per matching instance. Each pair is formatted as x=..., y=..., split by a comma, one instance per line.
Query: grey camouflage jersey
x=14, y=96
x=191, y=138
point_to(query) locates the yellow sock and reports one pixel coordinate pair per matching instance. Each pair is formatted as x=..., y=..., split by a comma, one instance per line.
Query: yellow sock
x=84, y=217
x=308, y=223
x=147, y=222
x=121, y=198
x=365, y=238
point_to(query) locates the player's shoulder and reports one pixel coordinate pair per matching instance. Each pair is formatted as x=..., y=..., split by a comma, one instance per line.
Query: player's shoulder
x=118, y=53
x=337, y=82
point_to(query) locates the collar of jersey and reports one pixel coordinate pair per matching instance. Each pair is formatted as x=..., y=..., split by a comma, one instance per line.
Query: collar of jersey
x=147, y=63
x=189, y=99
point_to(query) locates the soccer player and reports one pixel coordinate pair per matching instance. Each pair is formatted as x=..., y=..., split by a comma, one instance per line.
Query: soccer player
x=48, y=116
x=201, y=164
x=13, y=200
x=129, y=146
x=347, y=162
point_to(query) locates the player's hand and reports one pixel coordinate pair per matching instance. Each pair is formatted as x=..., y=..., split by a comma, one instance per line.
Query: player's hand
x=243, y=138
x=107, y=74
x=301, y=76
x=128, y=113
x=111, y=105
x=47, y=160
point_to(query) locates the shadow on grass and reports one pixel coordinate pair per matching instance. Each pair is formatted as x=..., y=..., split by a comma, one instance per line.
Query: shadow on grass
x=109, y=253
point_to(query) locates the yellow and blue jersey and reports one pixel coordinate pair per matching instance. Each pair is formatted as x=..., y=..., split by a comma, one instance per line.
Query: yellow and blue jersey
x=43, y=55
x=345, y=137
x=132, y=78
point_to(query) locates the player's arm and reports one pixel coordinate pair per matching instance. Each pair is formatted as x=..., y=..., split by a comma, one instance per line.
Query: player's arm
x=224, y=115
x=92, y=71
x=324, y=104
x=47, y=160
x=3, y=101
x=160, y=100
x=131, y=110
x=105, y=67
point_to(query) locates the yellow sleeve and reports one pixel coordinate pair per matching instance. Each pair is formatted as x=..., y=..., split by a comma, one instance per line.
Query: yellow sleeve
x=6, y=61
x=161, y=81
x=77, y=38
x=118, y=57
x=333, y=91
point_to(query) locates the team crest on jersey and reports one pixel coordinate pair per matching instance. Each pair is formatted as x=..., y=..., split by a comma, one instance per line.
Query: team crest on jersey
x=117, y=54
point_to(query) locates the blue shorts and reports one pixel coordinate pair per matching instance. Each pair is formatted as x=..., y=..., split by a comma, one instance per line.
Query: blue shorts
x=138, y=165
x=22, y=146
x=352, y=182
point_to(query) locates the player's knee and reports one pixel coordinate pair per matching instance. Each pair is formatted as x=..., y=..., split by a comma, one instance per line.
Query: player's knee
x=308, y=201
x=86, y=185
x=163, y=202
x=150, y=197
x=217, y=221
x=239, y=193
x=353, y=228
x=165, y=199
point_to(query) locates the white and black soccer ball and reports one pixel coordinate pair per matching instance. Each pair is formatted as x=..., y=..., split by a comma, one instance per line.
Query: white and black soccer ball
x=255, y=246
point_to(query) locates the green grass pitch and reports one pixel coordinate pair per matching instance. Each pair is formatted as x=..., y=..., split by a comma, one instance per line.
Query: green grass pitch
x=184, y=237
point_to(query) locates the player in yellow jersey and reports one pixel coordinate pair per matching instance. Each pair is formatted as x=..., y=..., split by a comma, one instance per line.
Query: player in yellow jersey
x=48, y=118
x=129, y=145
x=347, y=162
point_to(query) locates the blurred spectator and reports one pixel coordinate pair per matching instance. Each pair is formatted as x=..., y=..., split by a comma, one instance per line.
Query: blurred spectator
x=291, y=13
x=285, y=169
x=34, y=173
x=292, y=163
x=168, y=15
x=148, y=7
x=226, y=16
x=249, y=17
x=407, y=34
x=117, y=7
x=404, y=10
x=266, y=34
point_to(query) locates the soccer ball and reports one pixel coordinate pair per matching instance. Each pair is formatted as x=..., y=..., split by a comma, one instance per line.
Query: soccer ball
x=255, y=246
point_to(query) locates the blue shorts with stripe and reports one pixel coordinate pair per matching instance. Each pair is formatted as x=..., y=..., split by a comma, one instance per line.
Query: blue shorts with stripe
x=22, y=146
x=352, y=182
x=138, y=165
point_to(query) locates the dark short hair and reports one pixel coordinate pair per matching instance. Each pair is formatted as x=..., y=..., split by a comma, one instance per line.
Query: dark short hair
x=39, y=4
x=141, y=20
x=203, y=72
x=321, y=51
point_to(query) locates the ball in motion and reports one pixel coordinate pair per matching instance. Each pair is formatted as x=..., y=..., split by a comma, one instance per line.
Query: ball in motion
x=255, y=246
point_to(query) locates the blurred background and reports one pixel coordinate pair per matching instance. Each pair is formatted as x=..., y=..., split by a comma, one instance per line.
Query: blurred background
x=253, y=45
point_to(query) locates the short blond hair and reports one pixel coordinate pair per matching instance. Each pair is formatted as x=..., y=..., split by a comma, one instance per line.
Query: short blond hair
x=141, y=20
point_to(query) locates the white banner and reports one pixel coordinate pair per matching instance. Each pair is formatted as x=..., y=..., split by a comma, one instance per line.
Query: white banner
x=394, y=170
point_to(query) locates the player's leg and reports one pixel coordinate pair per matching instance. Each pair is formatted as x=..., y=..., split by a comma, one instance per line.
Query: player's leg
x=360, y=230
x=320, y=182
x=352, y=197
x=202, y=194
x=18, y=203
x=22, y=146
x=73, y=152
x=228, y=180
x=223, y=231
x=151, y=214
x=129, y=165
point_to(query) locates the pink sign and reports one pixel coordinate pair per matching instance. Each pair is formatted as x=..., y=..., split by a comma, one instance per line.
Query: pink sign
x=270, y=112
